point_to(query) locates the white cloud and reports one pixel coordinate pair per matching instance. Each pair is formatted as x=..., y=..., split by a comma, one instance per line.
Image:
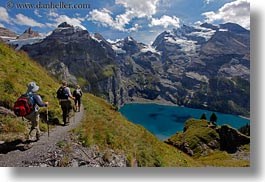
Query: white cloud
x=52, y=14
x=102, y=17
x=208, y=1
x=133, y=9
x=139, y=8
x=36, y=12
x=58, y=19
x=19, y=19
x=165, y=21
x=4, y=17
x=1, y=25
x=235, y=12
x=24, y=20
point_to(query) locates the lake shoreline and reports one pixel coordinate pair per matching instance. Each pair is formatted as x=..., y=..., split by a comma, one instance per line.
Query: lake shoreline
x=163, y=102
x=146, y=101
x=165, y=120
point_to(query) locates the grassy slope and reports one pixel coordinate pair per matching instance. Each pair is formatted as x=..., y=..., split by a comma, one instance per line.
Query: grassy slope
x=102, y=125
x=16, y=70
x=106, y=127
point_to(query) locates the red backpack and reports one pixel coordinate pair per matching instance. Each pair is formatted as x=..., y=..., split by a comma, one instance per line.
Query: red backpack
x=24, y=105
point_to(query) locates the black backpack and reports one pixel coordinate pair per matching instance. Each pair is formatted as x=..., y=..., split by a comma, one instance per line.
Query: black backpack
x=77, y=93
x=61, y=93
x=24, y=105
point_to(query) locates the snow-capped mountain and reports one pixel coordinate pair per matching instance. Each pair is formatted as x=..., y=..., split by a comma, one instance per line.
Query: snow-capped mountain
x=206, y=66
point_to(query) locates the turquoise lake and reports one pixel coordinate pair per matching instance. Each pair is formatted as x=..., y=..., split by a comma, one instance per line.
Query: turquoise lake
x=164, y=121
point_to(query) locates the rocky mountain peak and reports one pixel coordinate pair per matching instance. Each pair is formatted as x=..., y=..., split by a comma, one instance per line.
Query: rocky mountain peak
x=209, y=26
x=28, y=33
x=6, y=34
x=235, y=28
x=65, y=25
x=129, y=45
x=129, y=39
x=183, y=30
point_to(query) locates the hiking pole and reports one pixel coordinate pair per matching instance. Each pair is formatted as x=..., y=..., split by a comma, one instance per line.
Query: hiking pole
x=47, y=114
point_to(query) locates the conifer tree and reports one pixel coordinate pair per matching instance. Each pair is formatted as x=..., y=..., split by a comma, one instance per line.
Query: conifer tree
x=213, y=118
x=204, y=116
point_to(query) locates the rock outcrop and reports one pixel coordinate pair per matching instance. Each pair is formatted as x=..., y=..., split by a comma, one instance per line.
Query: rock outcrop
x=200, y=138
x=231, y=139
x=29, y=33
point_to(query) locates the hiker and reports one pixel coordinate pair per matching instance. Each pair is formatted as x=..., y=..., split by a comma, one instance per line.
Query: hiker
x=77, y=94
x=34, y=116
x=63, y=94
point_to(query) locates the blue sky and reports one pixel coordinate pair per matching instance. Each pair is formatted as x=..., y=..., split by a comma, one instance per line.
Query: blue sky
x=116, y=19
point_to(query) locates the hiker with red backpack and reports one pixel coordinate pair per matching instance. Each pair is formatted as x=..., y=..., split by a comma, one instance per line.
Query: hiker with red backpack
x=63, y=94
x=27, y=106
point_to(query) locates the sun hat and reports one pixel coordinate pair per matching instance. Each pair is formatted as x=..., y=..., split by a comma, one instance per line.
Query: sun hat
x=32, y=87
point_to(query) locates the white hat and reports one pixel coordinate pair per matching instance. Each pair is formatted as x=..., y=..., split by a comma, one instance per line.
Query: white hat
x=32, y=87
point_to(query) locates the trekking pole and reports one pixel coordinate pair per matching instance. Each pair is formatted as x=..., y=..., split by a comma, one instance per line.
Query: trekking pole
x=47, y=114
x=74, y=117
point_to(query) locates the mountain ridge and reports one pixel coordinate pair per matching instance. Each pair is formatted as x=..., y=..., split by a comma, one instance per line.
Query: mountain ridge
x=179, y=67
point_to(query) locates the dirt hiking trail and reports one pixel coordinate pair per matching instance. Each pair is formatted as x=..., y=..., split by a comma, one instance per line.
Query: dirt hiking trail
x=41, y=149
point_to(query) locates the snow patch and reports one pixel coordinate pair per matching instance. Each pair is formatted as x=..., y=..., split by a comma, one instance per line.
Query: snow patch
x=21, y=42
x=206, y=33
x=186, y=45
x=223, y=30
x=149, y=48
x=197, y=76
x=118, y=50
x=7, y=38
x=95, y=38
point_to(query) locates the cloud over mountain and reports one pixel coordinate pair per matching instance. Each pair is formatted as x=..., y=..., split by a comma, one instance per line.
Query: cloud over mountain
x=4, y=15
x=165, y=21
x=24, y=20
x=236, y=12
x=133, y=9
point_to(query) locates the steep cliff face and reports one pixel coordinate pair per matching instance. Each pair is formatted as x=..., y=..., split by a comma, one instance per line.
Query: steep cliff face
x=231, y=139
x=72, y=54
x=203, y=67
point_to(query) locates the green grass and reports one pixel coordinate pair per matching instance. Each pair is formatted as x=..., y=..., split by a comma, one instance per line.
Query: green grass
x=195, y=132
x=12, y=128
x=16, y=71
x=107, y=128
x=222, y=159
